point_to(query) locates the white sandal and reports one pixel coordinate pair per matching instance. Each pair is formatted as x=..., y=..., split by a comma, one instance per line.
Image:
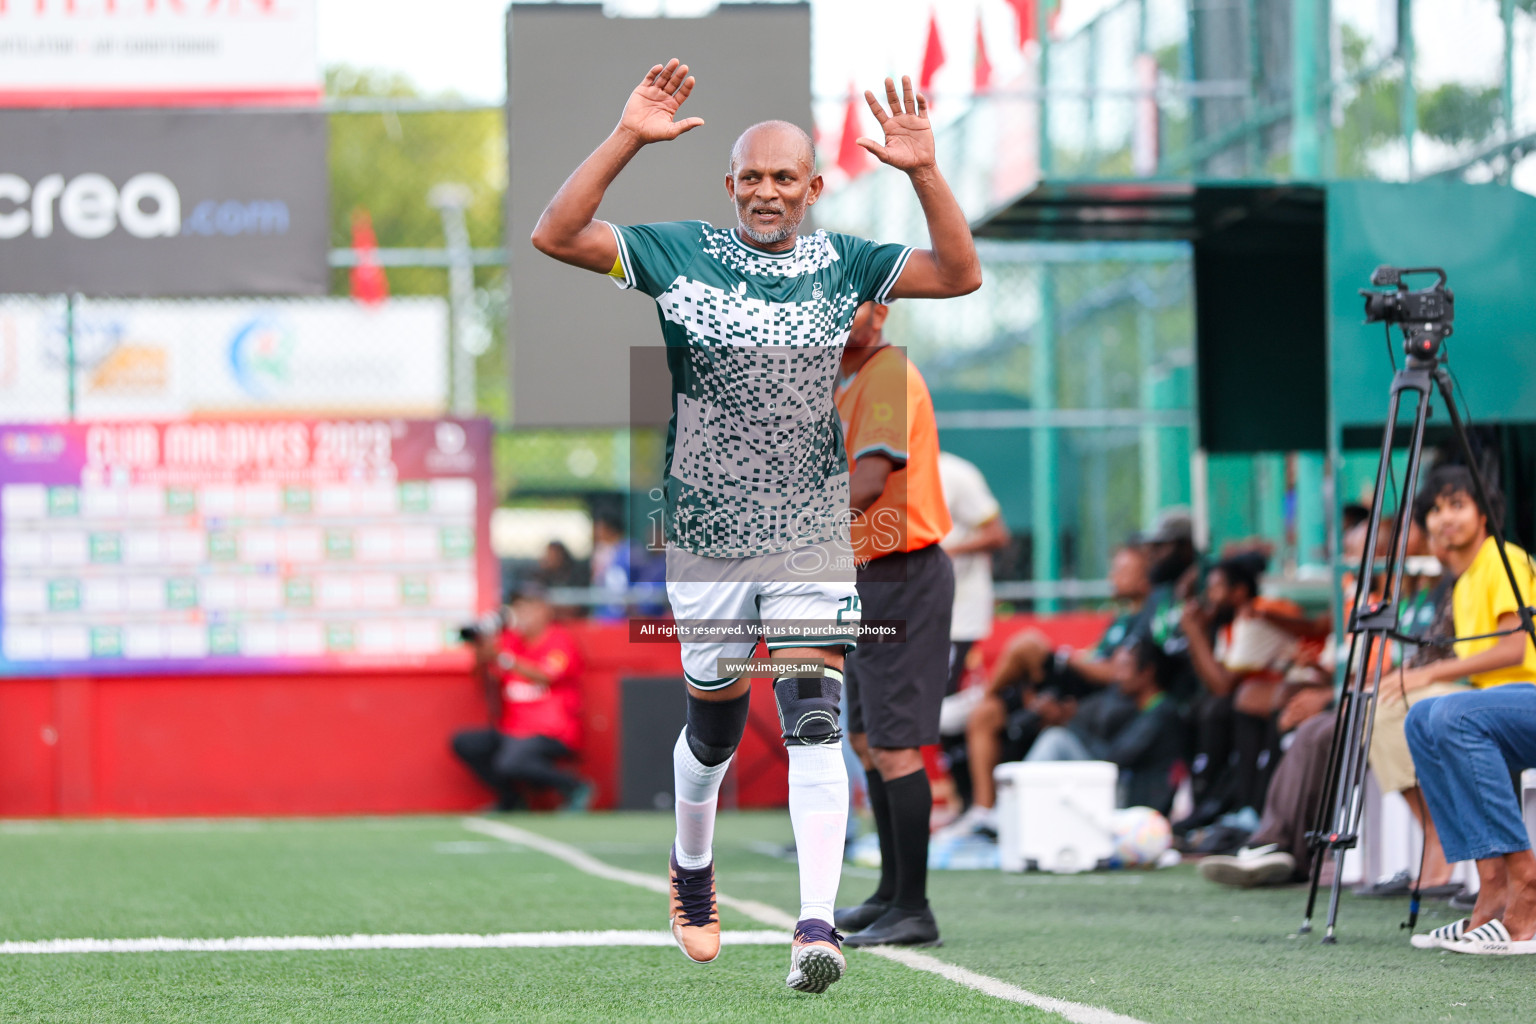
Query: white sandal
x=1440, y=936
x=1492, y=939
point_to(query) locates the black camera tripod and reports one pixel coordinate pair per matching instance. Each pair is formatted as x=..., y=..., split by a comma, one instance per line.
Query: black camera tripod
x=1373, y=624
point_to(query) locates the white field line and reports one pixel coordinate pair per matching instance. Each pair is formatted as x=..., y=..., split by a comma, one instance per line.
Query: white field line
x=328, y=943
x=582, y=861
x=82, y=826
x=1078, y=1013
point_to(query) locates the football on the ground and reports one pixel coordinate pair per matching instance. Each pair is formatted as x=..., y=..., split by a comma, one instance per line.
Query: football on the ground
x=1141, y=836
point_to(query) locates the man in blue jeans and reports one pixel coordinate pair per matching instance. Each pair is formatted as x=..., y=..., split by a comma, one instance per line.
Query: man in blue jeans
x=1465, y=746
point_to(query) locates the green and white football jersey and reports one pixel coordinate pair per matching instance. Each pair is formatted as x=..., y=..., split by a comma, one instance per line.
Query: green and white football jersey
x=755, y=458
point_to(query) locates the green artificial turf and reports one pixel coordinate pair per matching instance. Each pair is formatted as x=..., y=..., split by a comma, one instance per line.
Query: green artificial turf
x=543, y=985
x=1160, y=946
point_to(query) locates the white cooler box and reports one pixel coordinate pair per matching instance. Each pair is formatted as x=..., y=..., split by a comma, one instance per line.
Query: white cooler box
x=1055, y=815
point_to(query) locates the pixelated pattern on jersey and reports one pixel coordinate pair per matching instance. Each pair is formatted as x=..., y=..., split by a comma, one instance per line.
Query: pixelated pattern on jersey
x=734, y=317
x=757, y=460
x=811, y=253
x=757, y=438
x=756, y=463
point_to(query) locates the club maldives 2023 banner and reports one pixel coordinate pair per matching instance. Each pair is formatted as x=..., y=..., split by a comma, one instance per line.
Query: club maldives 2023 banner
x=242, y=545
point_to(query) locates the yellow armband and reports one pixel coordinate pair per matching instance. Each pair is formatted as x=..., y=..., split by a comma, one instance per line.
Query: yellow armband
x=618, y=268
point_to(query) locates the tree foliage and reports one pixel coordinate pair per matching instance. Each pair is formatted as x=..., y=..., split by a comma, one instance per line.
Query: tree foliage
x=1452, y=113
x=1456, y=114
x=386, y=163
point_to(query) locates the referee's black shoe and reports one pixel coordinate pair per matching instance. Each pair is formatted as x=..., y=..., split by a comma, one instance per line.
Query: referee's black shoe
x=899, y=927
x=855, y=919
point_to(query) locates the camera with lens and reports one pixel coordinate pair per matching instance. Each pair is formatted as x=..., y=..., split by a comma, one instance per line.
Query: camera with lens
x=1423, y=314
x=488, y=625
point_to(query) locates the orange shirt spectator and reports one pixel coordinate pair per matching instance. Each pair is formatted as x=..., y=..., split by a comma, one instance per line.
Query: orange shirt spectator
x=886, y=409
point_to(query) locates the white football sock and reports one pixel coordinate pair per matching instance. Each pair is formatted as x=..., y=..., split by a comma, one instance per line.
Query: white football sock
x=818, y=808
x=696, y=788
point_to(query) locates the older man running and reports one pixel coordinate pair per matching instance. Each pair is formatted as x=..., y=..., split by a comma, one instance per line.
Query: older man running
x=754, y=319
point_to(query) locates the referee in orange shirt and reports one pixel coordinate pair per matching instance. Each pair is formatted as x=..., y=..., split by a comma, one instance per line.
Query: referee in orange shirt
x=894, y=690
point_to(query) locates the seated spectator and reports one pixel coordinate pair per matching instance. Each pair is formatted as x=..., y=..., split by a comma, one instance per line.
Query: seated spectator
x=1464, y=746
x=529, y=672
x=1241, y=658
x=610, y=566
x=1035, y=685
x=1174, y=567
x=558, y=568
x=1279, y=852
x=1390, y=760
x=1146, y=745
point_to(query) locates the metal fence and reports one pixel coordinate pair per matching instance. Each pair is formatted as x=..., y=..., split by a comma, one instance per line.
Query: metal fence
x=1068, y=378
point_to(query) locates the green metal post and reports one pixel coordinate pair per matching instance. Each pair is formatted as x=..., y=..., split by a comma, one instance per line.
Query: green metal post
x=1043, y=34
x=1269, y=499
x=1255, y=86
x=1507, y=12
x=69, y=353
x=1307, y=111
x=1336, y=567
x=1174, y=456
x=1327, y=143
x=1095, y=530
x=1091, y=145
x=1311, y=518
x=1151, y=463
x=1408, y=101
x=1042, y=487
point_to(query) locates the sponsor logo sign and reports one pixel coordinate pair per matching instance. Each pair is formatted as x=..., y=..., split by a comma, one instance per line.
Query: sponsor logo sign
x=163, y=202
x=202, y=358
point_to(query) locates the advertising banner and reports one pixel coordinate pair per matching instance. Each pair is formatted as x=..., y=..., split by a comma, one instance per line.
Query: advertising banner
x=242, y=545
x=115, y=53
x=166, y=203
x=163, y=360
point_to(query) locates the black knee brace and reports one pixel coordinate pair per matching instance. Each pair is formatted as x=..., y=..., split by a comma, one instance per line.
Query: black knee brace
x=715, y=727
x=808, y=709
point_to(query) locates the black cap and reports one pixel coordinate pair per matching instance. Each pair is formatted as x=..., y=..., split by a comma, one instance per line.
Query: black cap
x=528, y=590
x=1172, y=525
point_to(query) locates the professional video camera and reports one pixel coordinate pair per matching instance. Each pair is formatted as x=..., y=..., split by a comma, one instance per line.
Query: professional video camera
x=487, y=625
x=1424, y=315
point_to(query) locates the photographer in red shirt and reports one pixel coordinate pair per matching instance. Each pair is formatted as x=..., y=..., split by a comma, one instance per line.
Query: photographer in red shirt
x=529, y=671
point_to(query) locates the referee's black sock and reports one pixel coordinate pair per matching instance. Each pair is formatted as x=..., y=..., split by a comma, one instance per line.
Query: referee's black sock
x=880, y=807
x=911, y=804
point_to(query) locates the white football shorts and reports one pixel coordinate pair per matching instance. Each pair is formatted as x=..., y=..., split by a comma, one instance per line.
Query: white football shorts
x=803, y=598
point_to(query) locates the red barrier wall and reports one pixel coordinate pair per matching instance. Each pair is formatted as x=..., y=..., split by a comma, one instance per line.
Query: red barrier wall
x=329, y=744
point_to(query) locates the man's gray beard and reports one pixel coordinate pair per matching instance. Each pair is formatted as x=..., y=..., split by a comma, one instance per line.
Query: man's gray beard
x=786, y=230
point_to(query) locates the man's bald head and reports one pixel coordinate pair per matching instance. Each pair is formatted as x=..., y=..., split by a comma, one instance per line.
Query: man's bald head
x=784, y=131
x=773, y=180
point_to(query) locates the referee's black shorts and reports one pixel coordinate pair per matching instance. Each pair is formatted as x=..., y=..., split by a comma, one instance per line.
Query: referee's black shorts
x=895, y=689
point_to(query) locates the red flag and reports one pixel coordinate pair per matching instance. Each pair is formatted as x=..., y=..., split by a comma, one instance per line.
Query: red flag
x=933, y=53
x=369, y=284
x=983, y=67
x=1029, y=20
x=852, y=158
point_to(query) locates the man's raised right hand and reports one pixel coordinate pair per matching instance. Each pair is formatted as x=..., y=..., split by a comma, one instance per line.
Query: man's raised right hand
x=655, y=101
